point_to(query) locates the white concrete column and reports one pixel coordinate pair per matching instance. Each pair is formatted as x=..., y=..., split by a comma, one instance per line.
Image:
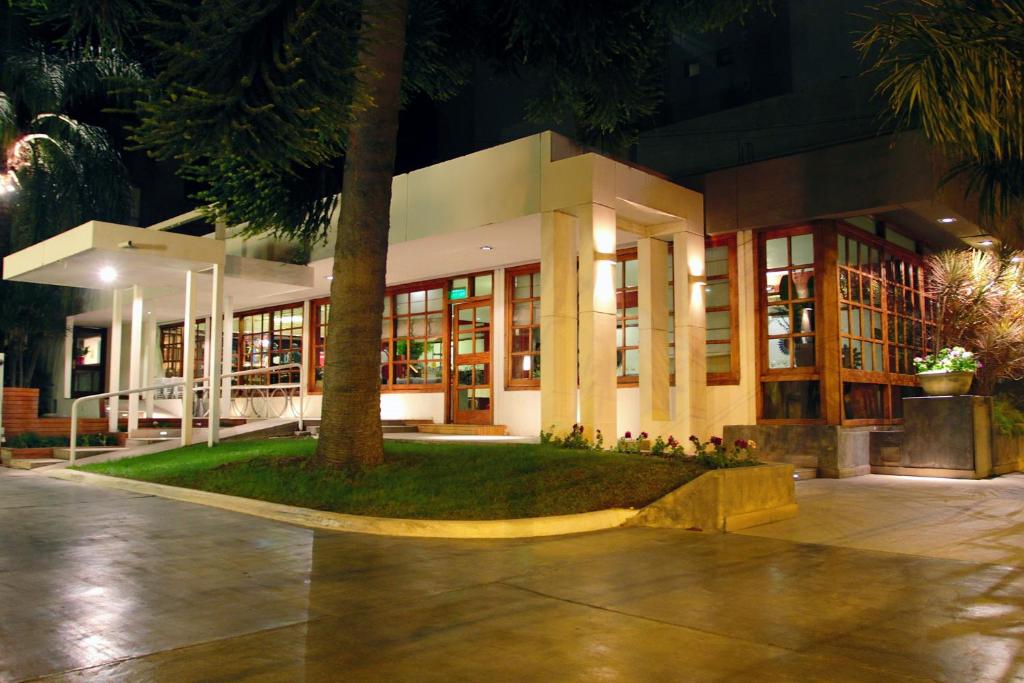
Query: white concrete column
x=690, y=335
x=135, y=358
x=598, y=380
x=151, y=361
x=307, y=352
x=557, y=322
x=227, y=355
x=652, y=257
x=114, y=371
x=69, y=352
x=213, y=362
x=189, y=354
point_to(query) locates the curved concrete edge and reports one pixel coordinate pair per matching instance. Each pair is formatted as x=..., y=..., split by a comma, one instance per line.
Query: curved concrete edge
x=530, y=527
x=726, y=500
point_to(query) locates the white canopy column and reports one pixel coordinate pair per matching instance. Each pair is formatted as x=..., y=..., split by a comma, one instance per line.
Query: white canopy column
x=189, y=363
x=114, y=381
x=214, y=358
x=135, y=358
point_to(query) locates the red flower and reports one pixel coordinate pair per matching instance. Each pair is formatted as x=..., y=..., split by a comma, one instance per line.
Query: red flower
x=716, y=441
x=643, y=435
x=629, y=435
x=741, y=443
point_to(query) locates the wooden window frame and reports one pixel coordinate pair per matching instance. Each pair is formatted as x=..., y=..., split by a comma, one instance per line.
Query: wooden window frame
x=513, y=383
x=732, y=377
x=622, y=256
x=445, y=312
x=764, y=373
x=314, y=346
x=887, y=378
x=167, y=329
x=239, y=336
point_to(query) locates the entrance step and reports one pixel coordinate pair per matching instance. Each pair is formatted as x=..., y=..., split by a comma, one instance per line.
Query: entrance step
x=32, y=463
x=147, y=440
x=84, y=451
x=399, y=429
x=463, y=430
x=803, y=473
x=402, y=423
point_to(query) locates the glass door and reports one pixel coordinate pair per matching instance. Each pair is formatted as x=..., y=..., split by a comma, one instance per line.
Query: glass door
x=471, y=364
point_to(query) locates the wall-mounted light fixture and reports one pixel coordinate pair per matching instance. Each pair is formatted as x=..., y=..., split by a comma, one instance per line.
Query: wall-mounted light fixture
x=605, y=256
x=700, y=280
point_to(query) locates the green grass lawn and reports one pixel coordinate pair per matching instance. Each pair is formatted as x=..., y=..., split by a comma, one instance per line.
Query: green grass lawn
x=427, y=481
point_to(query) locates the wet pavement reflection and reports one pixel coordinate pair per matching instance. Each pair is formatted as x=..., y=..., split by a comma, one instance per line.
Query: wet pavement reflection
x=105, y=585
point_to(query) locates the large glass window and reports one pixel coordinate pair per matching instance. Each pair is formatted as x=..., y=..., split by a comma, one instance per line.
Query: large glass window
x=790, y=381
x=268, y=338
x=882, y=321
x=627, y=317
x=789, y=286
x=522, y=288
x=321, y=317
x=172, y=345
x=720, y=310
x=412, y=333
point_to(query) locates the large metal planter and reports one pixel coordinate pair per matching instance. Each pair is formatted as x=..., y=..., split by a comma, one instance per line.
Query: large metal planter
x=945, y=383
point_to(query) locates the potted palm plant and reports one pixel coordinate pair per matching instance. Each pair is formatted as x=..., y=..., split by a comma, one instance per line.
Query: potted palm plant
x=948, y=372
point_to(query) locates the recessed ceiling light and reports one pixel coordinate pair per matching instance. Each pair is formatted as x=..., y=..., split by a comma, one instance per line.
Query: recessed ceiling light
x=986, y=243
x=328, y=277
x=1016, y=259
x=108, y=274
x=487, y=247
x=947, y=219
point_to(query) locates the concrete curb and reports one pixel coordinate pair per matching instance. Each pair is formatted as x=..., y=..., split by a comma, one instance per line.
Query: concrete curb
x=530, y=527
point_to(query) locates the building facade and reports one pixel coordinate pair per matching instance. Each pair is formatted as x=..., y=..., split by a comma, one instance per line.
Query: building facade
x=535, y=285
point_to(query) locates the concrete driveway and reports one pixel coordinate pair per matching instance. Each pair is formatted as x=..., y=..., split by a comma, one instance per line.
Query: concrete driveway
x=97, y=584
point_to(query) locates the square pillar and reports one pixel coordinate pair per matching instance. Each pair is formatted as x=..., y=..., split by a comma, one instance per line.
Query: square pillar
x=189, y=361
x=557, y=322
x=690, y=334
x=652, y=257
x=227, y=356
x=135, y=358
x=213, y=359
x=598, y=378
x=114, y=372
x=152, y=360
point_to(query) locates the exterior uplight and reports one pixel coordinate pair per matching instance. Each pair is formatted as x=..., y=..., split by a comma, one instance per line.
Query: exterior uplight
x=986, y=243
x=947, y=219
x=487, y=247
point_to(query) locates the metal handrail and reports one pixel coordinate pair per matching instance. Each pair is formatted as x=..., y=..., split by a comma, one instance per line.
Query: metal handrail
x=203, y=385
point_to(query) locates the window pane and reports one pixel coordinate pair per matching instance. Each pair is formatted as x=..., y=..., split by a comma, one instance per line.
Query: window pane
x=482, y=285
x=632, y=362
x=804, y=348
x=803, y=249
x=521, y=286
x=776, y=255
x=417, y=302
x=632, y=273
x=791, y=400
x=435, y=299
x=778, y=320
x=717, y=295
x=778, y=353
x=863, y=401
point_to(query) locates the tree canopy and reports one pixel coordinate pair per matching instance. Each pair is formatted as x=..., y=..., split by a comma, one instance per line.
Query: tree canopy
x=956, y=69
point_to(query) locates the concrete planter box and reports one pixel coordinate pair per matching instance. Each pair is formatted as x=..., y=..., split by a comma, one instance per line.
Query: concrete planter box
x=8, y=454
x=944, y=436
x=726, y=500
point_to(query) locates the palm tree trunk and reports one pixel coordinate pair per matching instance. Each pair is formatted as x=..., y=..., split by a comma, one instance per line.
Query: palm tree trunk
x=350, y=432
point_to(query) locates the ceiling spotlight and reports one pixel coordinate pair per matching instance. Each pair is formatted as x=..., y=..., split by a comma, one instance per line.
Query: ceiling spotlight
x=986, y=243
x=1016, y=259
x=487, y=247
x=947, y=219
x=108, y=274
x=328, y=277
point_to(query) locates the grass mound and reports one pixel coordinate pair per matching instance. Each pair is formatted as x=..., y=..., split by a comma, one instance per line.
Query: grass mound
x=425, y=481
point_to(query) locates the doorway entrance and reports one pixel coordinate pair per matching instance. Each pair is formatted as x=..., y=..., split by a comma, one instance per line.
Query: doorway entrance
x=472, y=388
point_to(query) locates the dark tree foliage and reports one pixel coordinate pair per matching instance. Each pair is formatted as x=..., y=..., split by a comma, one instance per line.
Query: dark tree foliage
x=255, y=98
